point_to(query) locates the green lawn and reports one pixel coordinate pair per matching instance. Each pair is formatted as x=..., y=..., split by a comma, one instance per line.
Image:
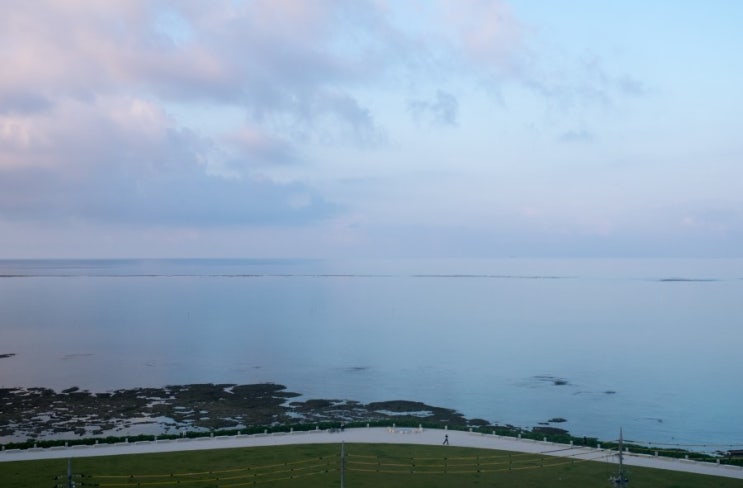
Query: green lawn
x=366, y=465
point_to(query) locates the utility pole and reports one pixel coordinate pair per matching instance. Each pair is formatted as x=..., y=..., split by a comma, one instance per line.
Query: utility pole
x=620, y=480
x=70, y=477
x=343, y=464
x=70, y=483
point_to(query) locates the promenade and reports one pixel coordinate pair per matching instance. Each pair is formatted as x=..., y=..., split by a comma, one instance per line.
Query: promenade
x=380, y=436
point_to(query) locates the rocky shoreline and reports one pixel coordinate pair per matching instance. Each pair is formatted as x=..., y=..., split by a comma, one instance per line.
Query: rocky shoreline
x=45, y=417
x=43, y=414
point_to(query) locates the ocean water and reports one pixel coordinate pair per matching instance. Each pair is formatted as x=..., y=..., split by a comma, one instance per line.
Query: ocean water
x=652, y=346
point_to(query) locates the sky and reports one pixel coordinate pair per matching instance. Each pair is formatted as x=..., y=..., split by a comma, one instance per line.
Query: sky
x=371, y=128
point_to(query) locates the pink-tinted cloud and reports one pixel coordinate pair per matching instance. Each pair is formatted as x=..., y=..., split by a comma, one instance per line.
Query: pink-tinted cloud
x=84, y=128
x=488, y=33
x=88, y=129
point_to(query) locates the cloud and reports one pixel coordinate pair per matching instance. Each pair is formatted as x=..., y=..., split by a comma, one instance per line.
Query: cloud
x=122, y=161
x=24, y=103
x=580, y=135
x=85, y=131
x=441, y=111
x=712, y=217
x=485, y=41
x=280, y=61
x=89, y=128
x=577, y=83
x=488, y=34
x=271, y=57
x=182, y=195
x=252, y=147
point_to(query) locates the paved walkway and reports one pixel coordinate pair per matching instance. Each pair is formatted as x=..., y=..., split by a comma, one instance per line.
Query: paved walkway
x=375, y=435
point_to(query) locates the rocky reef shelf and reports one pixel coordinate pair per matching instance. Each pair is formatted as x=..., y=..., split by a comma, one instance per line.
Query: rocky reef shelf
x=43, y=413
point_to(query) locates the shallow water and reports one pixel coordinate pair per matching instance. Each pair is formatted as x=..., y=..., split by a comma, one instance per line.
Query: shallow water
x=652, y=346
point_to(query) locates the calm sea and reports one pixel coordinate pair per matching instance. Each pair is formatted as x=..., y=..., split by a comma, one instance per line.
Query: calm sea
x=653, y=346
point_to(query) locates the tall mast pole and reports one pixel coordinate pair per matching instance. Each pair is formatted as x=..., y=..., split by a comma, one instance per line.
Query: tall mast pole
x=620, y=480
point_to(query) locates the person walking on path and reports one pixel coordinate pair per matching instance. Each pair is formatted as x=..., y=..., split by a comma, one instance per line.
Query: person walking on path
x=446, y=439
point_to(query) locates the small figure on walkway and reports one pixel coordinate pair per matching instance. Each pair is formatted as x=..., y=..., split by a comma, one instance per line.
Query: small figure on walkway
x=446, y=439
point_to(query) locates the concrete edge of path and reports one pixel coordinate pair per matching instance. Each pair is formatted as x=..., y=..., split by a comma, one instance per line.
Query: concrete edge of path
x=375, y=435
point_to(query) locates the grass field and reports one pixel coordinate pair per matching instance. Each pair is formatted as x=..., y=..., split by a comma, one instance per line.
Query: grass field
x=319, y=465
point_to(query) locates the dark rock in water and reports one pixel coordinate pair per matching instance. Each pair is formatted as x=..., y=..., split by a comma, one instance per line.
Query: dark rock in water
x=8, y=355
x=478, y=423
x=313, y=404
x=552, y=379
x=410, y=409
x=556, y=420
x=356, y=369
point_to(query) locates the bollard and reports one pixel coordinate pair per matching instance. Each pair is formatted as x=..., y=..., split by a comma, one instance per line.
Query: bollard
x=656, y=453
x=519, y=436
x=571, y=443
x=265, y=431
x=291, y=430
x=420, y=427
x=598, y=446
x=470, y=429
x=367, y=425
x=446, y=427
x=545, y=439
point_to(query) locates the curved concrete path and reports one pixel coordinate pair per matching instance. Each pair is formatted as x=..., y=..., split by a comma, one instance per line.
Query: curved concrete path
x=375, y=435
